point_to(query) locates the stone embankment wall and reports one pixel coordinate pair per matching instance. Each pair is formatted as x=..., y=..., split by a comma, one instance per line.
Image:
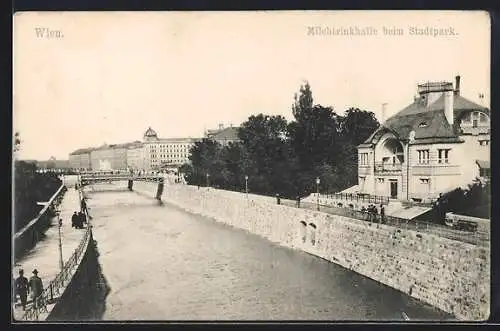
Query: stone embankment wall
x=29, y=235
x=451, y=275
x=84, y=296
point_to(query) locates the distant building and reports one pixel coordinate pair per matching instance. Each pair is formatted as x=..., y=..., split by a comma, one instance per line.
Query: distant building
x=109, y=157
x=222, y=135
x=165, y=153
x=437, y=143
x=135, y=156
x=80, y=159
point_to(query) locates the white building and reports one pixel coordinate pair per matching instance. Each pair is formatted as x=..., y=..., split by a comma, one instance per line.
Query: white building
x=135, y=156
x=436, y=144
x=165, y=153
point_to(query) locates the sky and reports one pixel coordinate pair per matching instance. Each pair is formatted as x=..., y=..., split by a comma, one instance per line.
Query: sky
x=105, y=77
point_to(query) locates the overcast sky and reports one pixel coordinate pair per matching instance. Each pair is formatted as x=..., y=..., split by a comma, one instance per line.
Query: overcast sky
x=109, y=76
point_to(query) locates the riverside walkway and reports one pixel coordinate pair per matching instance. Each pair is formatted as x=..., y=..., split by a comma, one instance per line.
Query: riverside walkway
x=45, y=255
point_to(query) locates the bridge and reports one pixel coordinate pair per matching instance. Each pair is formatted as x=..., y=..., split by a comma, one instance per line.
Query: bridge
x=93, y=178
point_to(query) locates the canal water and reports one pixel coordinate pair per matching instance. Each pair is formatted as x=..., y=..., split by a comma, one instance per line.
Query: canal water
x=163, y=263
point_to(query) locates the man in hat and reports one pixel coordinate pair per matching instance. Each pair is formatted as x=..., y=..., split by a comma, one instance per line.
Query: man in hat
x=36, y=286
x=22, y=288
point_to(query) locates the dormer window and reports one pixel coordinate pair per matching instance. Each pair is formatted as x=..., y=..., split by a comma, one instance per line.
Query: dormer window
x=423, y=125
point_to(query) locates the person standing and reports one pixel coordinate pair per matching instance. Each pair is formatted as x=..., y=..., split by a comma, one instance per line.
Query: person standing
x=74, y=220
x=36, y=287
x=382, y=213
x=83, y=206
x=22, y=288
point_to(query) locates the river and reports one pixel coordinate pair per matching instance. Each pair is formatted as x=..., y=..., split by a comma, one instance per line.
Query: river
x=163, y=263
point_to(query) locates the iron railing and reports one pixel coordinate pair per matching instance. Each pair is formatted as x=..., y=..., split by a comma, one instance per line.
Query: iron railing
x=358, y=197
x=387, y=167
x=57, y=285
x=480, y=238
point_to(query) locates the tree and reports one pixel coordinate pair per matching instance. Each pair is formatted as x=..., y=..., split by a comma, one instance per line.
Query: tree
x=357, y=125
x=303, y=102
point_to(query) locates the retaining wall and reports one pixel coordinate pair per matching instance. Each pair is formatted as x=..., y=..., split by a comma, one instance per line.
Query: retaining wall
x=84, y=292
x=451, y=275
x=28, y=236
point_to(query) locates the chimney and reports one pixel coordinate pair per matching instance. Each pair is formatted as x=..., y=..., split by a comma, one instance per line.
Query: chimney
x=384, y=112
x=221, y=126
x=448, y=106
x=457, y=85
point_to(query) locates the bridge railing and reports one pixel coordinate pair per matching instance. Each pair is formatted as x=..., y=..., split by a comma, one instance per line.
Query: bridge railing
x=57, y=285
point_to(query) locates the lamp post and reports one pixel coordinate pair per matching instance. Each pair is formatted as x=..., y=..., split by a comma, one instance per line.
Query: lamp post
x=61, y=263
x=246, y=185
x=208, y=184
x=317, y=193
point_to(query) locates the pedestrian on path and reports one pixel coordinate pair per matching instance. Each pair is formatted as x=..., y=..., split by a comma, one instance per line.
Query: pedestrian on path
x=22, y=288
x=36, y=287
x=382, y=213
x=74, y=219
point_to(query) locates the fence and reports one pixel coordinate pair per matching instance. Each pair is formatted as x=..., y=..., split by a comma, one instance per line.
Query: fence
x=480, y=238
x=58, y=284
x=358, y=197
x=29, y=234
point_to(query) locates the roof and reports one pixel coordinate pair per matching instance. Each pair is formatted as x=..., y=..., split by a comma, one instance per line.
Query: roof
x=483, y=164
x=230, y=133
x=82, y=151
x=429, y=123
x=173, y=140
x=150, y=133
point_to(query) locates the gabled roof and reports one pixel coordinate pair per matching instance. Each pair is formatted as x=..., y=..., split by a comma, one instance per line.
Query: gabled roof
x=429, y=123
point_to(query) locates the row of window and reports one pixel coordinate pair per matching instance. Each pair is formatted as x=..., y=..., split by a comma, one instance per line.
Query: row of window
x=423, y=156
x=363, y=158
x=474, y=119
x=154, y=156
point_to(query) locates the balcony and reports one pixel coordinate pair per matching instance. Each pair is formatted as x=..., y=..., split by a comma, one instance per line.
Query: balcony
x=385, y=167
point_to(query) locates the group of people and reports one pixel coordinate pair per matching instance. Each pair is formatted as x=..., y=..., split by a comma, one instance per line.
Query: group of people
x=372, y=212
x=78, y=219
x=23, y=287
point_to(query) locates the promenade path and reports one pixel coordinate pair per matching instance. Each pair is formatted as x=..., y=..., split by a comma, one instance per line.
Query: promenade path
x=45, y=255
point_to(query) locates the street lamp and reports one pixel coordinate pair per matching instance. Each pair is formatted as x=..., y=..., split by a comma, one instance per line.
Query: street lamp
x=317, y=192
x=246, y=185
x=61, y=263
x=208, y=175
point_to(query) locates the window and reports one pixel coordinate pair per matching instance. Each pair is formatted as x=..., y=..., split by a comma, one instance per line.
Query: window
x=380, y=180
x=423, y=156
x=443, y=155
x=363, y=158
x=424, y=180
x=422, y=125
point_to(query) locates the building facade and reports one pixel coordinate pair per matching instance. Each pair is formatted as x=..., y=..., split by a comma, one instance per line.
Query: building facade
x=434, y=145
x=223, y=136
x=135, y=156
x=80, y=159
x=109, y=157
x=165, y=153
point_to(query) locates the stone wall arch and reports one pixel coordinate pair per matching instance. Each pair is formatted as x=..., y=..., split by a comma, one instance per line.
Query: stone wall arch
x=312, y=233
